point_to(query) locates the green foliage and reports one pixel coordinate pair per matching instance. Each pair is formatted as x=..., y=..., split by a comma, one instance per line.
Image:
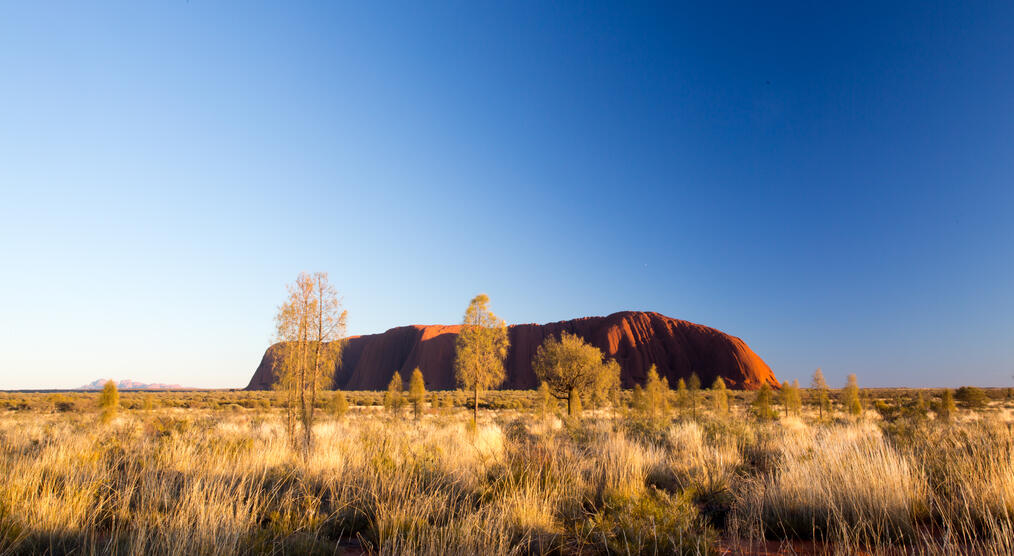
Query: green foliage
x=656, y=396
x=682, y=396
x=819, y=393
x=480, y=350
x=971, y=397
x=338, y=405
x=693, y=388
x=761, y=406
x=796, y=401
x=109, y=401
x=638, y=400
x=653, y=522
x=394, y=399
x=63, y=404
x=417, y=392
x=310, y=331
x=790, y=398
x=850, y=397
x=547, y=403
x=918, y=408
x=719, y=398
x=572, y=368
x=945, y=408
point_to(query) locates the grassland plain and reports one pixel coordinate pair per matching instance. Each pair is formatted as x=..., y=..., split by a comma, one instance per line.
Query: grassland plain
x=213, y=473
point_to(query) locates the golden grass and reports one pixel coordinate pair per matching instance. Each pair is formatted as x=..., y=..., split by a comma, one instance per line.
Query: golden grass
x=226, y=482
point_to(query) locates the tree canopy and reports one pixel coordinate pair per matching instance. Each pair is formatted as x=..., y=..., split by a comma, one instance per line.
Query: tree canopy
x=571, y=367
x=480, y=349
x=310, y=330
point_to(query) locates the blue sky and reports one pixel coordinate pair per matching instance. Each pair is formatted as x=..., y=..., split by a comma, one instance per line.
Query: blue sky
x=833, y=183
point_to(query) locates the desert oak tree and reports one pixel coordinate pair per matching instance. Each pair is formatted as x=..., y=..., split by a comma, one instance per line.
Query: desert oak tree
x=571, y=367
x=480, y=350
x=417, y=393
x=310, y=329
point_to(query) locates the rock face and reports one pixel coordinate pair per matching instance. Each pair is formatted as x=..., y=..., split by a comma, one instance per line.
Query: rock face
x=636, y=340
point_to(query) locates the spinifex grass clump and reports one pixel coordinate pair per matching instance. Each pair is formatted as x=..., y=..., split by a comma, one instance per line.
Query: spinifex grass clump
x=971, y=469
x=843, y=484
x=226, y=481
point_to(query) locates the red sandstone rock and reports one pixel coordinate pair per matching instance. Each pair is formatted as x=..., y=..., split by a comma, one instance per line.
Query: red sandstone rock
x=636, y=340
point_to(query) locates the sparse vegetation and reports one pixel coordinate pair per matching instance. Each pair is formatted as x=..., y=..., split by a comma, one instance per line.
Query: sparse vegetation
x=572, y=368
x=820, y=397
x=109, y=401
x=850, y=397
x=945, y=408
x=310, y=329
x=971, y=397
x=213, y=472
x=480, y=350
x=719, y=398
x=417, y=393
x=761, y=406
x=394, y=398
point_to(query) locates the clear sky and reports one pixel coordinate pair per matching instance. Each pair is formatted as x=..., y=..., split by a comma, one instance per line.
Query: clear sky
x=831, y=182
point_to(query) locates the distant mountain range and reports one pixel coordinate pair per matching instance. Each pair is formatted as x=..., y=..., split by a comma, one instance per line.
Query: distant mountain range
x=132, y=385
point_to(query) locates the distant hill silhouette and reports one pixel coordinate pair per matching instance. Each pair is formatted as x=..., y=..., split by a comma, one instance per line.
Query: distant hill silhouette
x=635, y=339
x=132, y=385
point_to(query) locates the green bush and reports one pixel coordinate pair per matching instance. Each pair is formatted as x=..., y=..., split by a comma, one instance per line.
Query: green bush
x=971, y=397
x=652, y=522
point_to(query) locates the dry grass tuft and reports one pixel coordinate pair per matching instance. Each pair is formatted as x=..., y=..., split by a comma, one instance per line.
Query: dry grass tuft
x=203, y=481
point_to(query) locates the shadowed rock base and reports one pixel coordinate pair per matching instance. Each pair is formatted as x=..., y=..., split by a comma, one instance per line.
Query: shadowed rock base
x=635, y=339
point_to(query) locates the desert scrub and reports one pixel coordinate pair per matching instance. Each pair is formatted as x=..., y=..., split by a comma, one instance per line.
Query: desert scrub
x=203, y=481
x=845, y=484
x=970, y=469
x=648, y=522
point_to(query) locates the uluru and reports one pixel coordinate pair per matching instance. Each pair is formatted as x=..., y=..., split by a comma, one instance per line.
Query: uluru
x=635, y=339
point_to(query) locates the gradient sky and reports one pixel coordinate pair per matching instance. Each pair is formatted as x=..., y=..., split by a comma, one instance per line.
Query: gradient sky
x=833, y=183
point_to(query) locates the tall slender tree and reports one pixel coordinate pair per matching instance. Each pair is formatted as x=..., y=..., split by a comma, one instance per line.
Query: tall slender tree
x=639, y=400
x=796, y=400
x=682, y=396
x=310, y=329
x=762, y=404
x=785, y=397
x=819, y=392
x=394, y=398
x=693, y=388
x=655, y=395
x=720, y=397
x=417, y=393
x=480, y=350
x=850, y=397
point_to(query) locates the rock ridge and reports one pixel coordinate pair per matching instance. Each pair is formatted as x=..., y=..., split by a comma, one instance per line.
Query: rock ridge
x=636, y=339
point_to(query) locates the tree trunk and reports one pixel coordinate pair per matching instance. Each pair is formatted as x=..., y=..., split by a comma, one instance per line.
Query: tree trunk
x=475, y=407
x=570, y=402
